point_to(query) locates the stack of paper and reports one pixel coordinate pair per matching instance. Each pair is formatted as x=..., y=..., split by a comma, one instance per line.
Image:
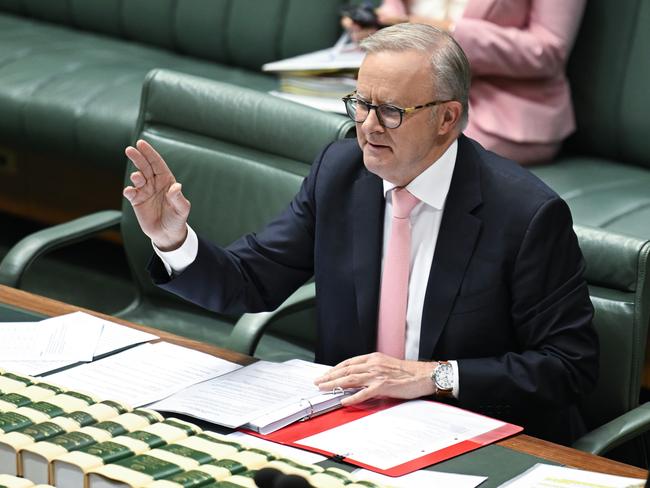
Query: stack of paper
x=328, y=86
x=55, y=339
x=319, y=79
x=263, y=397
x=37, y=348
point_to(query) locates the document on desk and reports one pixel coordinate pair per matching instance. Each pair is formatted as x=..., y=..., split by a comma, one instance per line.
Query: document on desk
x=547, y=476
x=143, y=374
x=114, y=337
x=422, y=478
x=56, y=339
x=396, y=435
x=395, y=438
x=333, y=58
x=263, y=396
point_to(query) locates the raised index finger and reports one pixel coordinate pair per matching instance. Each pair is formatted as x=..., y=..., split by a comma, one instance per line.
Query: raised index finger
x=156, y=161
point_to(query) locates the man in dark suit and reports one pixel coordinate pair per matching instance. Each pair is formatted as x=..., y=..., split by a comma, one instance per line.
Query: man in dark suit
x=441, y=268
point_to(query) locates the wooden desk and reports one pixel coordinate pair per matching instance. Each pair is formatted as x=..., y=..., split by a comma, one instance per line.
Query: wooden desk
x=521, y=442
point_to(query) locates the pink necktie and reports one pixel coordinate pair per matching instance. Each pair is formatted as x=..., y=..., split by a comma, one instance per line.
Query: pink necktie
x=395, y=277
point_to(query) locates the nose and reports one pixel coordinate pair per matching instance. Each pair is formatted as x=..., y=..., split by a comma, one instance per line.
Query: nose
x=371, y=124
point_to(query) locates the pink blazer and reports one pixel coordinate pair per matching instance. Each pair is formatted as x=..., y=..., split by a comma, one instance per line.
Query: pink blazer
x=518, y=51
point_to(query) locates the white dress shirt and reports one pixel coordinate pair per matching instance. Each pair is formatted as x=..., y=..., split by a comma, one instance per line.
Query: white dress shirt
x=431, y=188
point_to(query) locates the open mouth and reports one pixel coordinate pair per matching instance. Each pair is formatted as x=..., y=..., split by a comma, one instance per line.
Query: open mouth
x=376, y=147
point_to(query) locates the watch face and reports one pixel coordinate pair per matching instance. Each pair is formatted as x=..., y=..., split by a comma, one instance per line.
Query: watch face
x=444, y=376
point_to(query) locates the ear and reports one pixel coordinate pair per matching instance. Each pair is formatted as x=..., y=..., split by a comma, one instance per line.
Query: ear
x=449, y=115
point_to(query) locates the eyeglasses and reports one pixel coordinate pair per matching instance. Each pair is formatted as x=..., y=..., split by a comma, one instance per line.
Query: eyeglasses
x=389, y=116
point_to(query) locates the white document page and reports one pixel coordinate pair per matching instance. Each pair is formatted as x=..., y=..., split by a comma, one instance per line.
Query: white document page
x=401, y=433
x=547, y=476
x=421, y=478
x=285, y=451
x=143, y=374
x=335, y=105
x=34, y=368
x=21, y=340
x=55, y=339
x=116, y=336
x=347, y=57
x=246, y=394
x=113, y=337
x=317, y=403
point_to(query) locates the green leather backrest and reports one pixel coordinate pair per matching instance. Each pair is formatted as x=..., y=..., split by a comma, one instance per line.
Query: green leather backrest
x=51, y=10
x=240, y=154
x=617, y=273
x=250, y=33
x=609, y=71
x=102, y=16
x=12, y=6
x=245, y=33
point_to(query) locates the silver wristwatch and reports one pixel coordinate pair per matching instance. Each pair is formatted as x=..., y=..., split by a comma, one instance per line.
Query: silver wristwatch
x=443, y=378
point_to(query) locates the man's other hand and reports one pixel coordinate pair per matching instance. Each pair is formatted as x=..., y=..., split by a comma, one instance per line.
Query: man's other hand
x=156, y=198
x=379, y=375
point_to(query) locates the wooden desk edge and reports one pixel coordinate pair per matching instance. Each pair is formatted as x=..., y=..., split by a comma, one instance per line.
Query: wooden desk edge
x=522, y=443
x=570, y=457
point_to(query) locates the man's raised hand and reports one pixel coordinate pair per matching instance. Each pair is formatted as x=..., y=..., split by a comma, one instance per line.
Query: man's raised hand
x=156, y=198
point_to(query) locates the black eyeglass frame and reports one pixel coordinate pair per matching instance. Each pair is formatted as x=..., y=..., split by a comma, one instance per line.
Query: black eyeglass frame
x=376, y=108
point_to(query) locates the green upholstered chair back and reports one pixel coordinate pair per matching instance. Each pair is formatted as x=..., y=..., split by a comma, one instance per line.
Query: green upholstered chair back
x=240, y=154
x=609, y=71
x=245, y=33
x=617, y=274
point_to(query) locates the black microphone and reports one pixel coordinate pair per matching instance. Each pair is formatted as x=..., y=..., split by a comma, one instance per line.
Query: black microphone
x=291, y=481
x=266, y=477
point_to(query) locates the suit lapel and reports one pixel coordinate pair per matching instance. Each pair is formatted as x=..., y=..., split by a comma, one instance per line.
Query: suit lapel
x=458, y=233
x=368, y=219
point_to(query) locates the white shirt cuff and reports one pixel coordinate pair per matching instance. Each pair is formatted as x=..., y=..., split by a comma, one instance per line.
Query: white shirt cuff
x=456, y=388
x=178, y=260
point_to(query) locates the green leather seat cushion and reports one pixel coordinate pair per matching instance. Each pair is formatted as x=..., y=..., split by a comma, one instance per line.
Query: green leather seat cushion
x=602, y=193
x=79, y=92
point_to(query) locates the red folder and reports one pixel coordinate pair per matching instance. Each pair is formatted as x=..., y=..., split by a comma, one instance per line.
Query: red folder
x=291, y=434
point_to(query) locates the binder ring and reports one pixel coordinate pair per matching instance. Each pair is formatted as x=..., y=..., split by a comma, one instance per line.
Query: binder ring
x=310, y=412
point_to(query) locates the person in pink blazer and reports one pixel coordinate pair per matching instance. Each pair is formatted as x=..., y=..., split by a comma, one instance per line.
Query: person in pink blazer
x=520, y=100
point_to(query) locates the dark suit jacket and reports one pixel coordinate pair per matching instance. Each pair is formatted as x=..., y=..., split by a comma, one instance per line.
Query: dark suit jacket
x=506, y=296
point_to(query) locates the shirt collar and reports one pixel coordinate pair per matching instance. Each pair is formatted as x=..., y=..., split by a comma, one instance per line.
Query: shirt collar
x=432, y=185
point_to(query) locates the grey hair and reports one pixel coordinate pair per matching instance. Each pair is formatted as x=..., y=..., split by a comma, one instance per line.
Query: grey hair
x=449, y=65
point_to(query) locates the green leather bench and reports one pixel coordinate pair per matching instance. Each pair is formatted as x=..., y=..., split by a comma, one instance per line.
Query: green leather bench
x=604, y=171
x=71, y=73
